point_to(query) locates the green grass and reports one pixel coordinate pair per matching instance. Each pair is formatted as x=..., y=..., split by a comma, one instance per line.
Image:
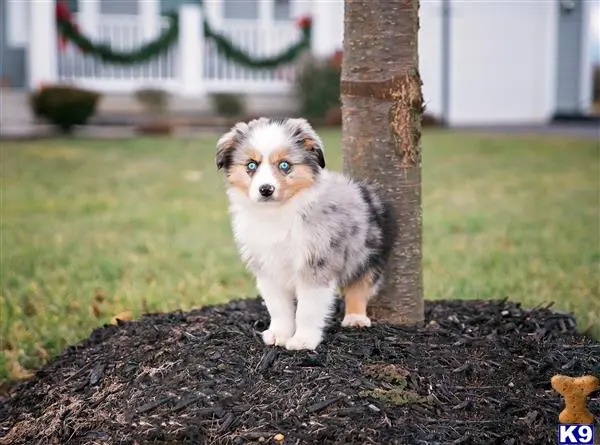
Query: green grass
x=94, y=228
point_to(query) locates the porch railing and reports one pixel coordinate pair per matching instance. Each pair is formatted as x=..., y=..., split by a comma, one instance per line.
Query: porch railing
x=122, y=32
x=218, y=74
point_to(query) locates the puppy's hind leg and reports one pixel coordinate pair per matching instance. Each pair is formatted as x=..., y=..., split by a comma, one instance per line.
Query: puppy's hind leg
x=281, y=306
x=356, y=297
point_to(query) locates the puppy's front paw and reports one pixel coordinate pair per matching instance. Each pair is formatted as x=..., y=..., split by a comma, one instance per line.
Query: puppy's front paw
x=277, y=337
x=304, y=341
x=356, y=321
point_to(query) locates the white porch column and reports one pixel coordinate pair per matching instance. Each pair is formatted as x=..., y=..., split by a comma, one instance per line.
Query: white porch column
x=191, y=49
x=266, y=12
x=88, y=17
x=42, y=57
x=149, y=18
x=266, y=18
x=214, y=12
x=328, y=27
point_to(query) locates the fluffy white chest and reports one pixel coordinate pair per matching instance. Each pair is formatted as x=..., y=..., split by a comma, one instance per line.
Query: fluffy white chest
x=273, y=245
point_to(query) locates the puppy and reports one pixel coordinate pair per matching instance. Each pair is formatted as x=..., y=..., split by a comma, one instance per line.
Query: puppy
x=303, y=231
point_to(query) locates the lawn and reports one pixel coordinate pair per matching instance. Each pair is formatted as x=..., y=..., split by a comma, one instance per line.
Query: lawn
x=91, y=229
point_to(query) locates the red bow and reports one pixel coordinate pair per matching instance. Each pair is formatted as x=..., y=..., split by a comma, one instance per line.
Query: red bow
x=62, y=11
x=336, y=59
x=63, y=15
x=304, y=22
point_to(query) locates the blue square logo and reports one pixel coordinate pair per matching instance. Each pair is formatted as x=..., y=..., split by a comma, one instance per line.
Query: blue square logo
x=573, y=434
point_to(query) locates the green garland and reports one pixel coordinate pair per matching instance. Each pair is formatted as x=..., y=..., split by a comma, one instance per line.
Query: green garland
x=105, y=53
x=168, y=37
x=225, y=47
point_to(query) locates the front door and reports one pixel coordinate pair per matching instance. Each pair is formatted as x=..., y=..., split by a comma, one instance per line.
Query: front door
x=571, y=29
x=12, y=55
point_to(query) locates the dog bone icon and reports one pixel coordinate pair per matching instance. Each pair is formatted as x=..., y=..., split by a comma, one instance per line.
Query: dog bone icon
x=575, y=391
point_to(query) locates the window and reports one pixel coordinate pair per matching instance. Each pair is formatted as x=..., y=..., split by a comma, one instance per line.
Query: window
x=240, y=9
x=167, y=6
x=73, y=6
x=14, y=16
x=282, y=10
x=129, y=7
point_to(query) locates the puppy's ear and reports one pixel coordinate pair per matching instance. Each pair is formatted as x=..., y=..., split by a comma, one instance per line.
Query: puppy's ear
x=306, y=137
x=227, y=144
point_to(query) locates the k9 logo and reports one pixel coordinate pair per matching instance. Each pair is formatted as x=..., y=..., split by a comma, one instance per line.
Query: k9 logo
x=575, y=434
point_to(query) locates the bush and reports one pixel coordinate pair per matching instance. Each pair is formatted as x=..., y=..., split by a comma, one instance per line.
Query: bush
x=227, y=104
x=156, y=127
x=430, y=120
x=64, y=106
x=318, y=87
x=319, y=94
x=153, y=100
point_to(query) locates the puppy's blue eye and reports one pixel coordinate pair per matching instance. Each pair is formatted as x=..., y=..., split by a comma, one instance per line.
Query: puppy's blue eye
x=284, y=166
x=252, y=166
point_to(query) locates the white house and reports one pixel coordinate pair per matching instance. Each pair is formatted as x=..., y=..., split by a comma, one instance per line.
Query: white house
x=482, y=61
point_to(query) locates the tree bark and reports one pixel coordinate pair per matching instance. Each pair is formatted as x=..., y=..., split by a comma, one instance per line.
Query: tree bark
x=382, y=105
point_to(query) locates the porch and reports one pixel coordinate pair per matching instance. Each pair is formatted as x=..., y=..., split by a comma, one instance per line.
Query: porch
x=193, y=66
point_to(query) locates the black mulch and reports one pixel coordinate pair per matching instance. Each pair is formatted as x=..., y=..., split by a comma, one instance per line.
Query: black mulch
x=477, y=373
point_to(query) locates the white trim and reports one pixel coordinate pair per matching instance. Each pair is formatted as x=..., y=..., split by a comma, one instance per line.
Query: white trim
x=266, y=18
x=587, y=61
x=149, y=12
x=42, y=54
x=266, y=12
x=191, y=49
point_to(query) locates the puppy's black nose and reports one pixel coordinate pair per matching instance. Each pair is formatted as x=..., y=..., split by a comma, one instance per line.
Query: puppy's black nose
x=266, y=190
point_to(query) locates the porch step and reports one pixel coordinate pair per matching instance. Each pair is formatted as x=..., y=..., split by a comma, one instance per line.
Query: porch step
x=125, y=105
x=15, y=115
x=17, y=120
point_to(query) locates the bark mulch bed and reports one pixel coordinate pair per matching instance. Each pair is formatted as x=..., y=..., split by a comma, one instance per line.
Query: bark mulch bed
x=477, y=373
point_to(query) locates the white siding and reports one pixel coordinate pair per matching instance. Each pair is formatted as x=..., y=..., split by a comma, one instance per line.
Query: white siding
x=430, y=54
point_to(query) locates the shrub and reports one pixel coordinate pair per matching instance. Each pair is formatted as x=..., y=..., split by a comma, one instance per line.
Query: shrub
x=227, y=104
x=153, y=100
x=430, y=120
x=64, y=106
x=156, y=127
x=318, y=87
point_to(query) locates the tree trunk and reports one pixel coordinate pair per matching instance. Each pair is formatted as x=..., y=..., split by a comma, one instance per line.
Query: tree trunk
x=382, y=106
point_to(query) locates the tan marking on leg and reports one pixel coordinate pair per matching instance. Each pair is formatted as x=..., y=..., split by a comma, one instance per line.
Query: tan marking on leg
x=357, y=297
